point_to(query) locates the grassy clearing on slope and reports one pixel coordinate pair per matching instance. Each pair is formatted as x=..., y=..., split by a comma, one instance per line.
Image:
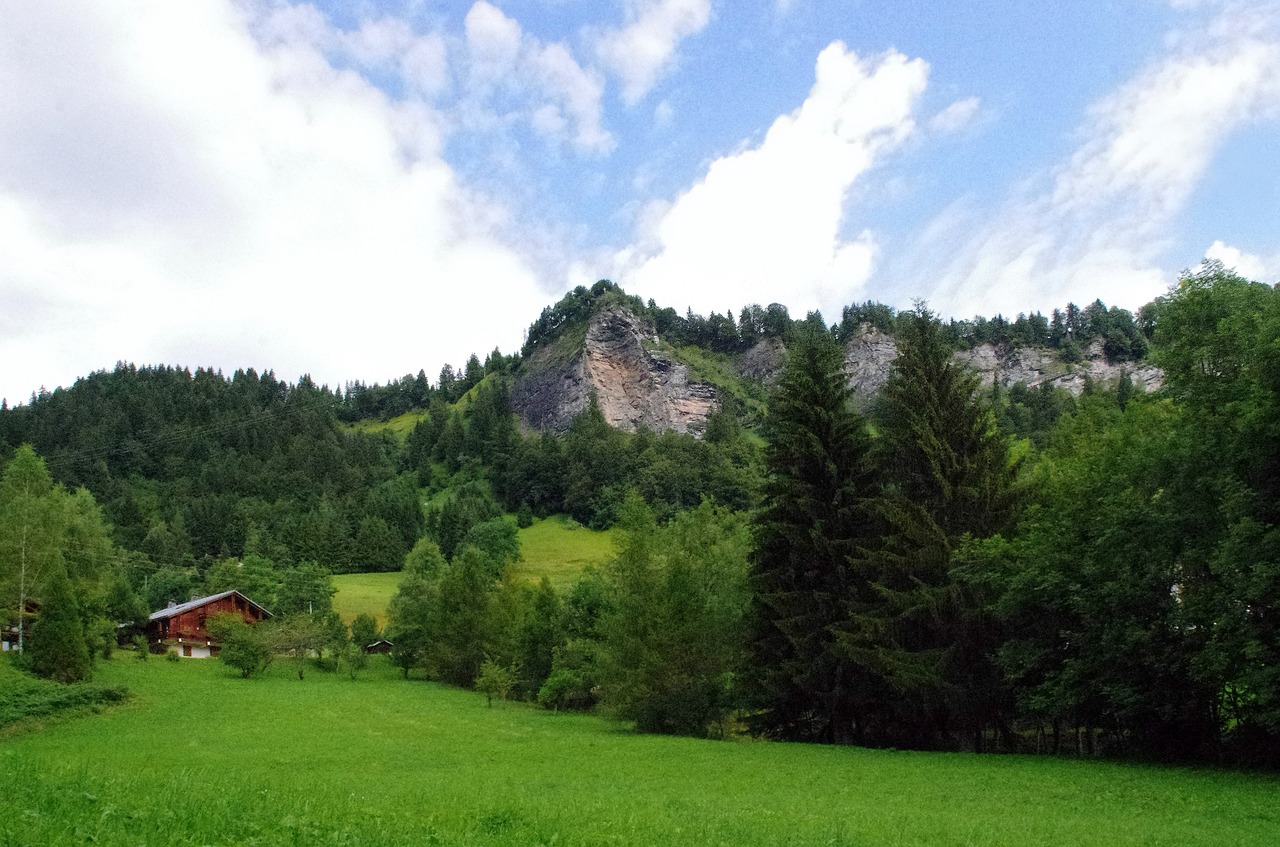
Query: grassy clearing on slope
x=558, y=548
x=720, y=370
x=400, y=426
x=206, y=758
x=364, y=593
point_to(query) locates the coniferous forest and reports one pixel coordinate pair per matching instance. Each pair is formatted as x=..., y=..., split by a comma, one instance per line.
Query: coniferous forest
x=954, y=565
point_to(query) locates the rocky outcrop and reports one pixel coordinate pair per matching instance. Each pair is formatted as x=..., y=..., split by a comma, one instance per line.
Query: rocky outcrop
x=638, y=385
x=868, y=358
x=763, y=362
x=635, y=384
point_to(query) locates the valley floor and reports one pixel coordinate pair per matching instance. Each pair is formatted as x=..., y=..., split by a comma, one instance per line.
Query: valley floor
x=201, y=757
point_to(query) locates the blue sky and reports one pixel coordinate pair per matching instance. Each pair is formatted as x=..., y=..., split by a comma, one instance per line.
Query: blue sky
x=362, y=190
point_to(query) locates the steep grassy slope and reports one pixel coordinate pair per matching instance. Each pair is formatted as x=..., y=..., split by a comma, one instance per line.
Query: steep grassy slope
x=364, y=594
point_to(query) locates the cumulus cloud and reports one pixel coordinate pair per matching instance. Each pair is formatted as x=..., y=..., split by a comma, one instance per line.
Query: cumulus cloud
x=493, y=39
x=565, y=98
x=1247, y=265
x=1097, y=225
x=186, y=183
x=766, y=223
x=388, y=43
x=645, y=47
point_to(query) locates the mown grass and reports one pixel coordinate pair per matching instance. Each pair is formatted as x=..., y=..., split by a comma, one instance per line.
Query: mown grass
x=201, y=757
x=557, y=548
x=560, y=549
x=364, y=593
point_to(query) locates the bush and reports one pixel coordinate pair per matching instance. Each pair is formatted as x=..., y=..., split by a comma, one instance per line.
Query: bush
x=566, y=689
x=524, y=517
x=496, y=680
x=23, y=697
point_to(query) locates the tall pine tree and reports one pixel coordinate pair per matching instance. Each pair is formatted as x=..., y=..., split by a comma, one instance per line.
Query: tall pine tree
x=815, y=518
x=949, y=478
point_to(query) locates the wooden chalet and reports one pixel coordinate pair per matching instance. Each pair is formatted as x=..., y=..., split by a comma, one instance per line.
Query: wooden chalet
x=181, y=628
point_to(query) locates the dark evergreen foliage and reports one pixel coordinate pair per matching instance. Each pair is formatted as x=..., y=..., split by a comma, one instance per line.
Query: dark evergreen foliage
x=57, y=649
x=948, y=477
x=814, y=520
x=192, y=467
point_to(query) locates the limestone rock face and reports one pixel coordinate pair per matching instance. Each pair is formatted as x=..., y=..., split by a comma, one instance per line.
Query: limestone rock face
x=763, y=361
x=635, y=384
x=869, y=358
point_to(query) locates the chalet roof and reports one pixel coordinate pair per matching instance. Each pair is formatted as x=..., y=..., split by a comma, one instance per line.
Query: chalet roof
x=201, y=601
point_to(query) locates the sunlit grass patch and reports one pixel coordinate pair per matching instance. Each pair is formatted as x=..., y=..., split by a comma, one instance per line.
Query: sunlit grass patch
x=364, y=593
x=560, y=549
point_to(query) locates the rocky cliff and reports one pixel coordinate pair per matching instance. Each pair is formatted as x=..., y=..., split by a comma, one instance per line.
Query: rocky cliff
x=636, y=384
x=868, y=358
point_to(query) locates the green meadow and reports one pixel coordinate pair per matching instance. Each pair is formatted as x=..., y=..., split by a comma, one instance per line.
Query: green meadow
x=364, y=593
x=400, y=426
x=199, y=757
x=558, y=548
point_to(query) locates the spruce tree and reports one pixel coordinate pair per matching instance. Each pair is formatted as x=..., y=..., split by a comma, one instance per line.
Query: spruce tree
x=57, y=648
x=949, y=478
x=814, y=519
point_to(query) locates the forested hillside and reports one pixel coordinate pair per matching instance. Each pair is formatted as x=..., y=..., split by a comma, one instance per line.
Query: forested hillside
x=960, y=564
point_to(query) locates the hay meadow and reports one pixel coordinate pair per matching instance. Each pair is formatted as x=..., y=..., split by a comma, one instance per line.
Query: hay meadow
x=197, y=756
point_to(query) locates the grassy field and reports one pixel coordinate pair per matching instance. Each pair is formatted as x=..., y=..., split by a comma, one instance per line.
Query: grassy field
x=556, y=548
x=199, y=757
x=399, y=426
x=364, y=593
x=559, y=548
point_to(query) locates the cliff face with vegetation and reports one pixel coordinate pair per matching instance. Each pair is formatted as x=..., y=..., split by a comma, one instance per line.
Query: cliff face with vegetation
x=869, y=357
x=618, y=359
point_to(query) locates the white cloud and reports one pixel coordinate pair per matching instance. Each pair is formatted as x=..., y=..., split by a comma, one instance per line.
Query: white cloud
x=642, y=50
x=956, y=117
x=419, y=59
x=493, y=40
x=1100, y=224
x=663, y=114
x=173, y=189
x=565, y=98
x=1245, y=264
x=577, y=91
x=764, y=224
